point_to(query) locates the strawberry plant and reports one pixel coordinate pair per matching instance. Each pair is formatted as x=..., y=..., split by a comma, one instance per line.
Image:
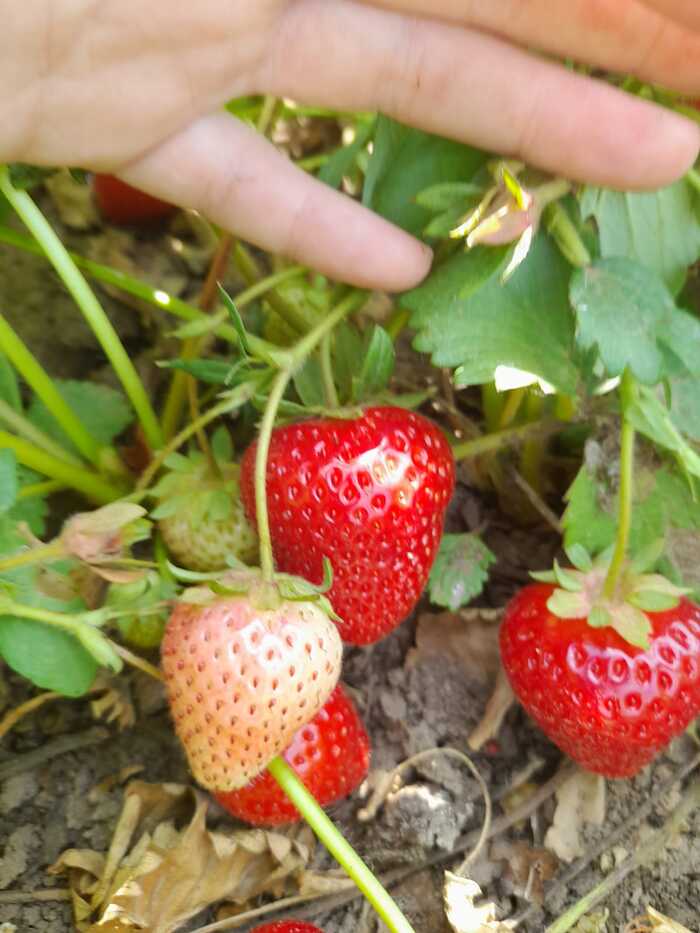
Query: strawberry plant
x=317, y=489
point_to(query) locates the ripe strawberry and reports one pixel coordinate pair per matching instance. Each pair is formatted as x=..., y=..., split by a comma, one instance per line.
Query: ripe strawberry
x=201, y=517
x=609, y=704
x=245, y=671
x=121, y=204
x=369, y=494
x=287, y=926
x=331, y=756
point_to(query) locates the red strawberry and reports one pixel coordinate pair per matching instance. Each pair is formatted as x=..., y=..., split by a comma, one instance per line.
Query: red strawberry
x=610, y=705
x=370, y=495
x=331, y=756
x=287, y=926
x=119, y=203
x=245, y=672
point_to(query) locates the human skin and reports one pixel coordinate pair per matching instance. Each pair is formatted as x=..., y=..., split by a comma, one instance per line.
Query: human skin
x=137, y=90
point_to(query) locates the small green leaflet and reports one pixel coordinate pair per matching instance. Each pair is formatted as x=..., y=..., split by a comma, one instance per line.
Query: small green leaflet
x=308, y=383
x=343, y=161
x=348, y=355
x=213, y=372
x=466, y=317
x=650, y=415
x=52, y=659
x=659, y=229
x=626, y=311
x=460, y=570
x=405, y=162
x=104, y=411
x=377, y=366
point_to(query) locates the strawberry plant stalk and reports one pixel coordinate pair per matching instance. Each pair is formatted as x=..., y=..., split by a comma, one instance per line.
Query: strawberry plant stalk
x=24, y=428
x=283, y=774
x=339, y=848
x=93, y=487
x=37, y=379
x=627, y=395
x=88, y=304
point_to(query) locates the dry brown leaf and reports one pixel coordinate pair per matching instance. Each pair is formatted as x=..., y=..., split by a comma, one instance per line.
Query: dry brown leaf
x=150, y=855
x=474, y=643
x=498, y=705
x=580, y=800
x=529, y=867
x=463, y=914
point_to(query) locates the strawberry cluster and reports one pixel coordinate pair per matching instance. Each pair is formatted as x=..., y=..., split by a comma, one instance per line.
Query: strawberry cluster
x=251, y=666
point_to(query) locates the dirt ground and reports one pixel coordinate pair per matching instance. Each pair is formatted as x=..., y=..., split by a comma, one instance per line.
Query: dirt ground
x=419, y=689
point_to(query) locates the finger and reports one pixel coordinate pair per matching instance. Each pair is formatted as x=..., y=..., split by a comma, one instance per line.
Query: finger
x=479, y=89
x=622, y=36
x=682, y=11
x=240, y=181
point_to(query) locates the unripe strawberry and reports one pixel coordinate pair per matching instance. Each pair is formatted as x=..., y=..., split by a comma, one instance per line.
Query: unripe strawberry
x=245, y=671
x=201, y=516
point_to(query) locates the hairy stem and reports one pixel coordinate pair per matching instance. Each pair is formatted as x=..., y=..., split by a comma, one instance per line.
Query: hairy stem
x=89, y=484
x=54, y=550
x=339, y=848
x=38, y=379
x=87, y=302
x=624, y=519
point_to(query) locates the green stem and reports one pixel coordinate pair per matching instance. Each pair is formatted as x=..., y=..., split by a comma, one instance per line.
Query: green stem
x=37, y=379
x=498, y=439
x=267, y=564
x=286, y=309
x=105, y=274
x=24, y=428
x=327, y=373
x=566, y=236
x=624, y=520
x=61, y=620
x=54, y=550
x=89, y=484
x=40, y=490
x=339, y=848
x=88, y=304
x=297, y=355
x=187, y=432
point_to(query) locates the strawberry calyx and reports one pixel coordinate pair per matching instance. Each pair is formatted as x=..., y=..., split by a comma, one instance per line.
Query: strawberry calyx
x=264, y=594
x=580, y=594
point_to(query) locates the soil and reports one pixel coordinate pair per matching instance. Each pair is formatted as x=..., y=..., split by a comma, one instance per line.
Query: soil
x=412, y=700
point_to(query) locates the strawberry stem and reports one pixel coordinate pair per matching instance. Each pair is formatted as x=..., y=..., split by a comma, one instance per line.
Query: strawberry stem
x=52, y=551
x=624, y=520
x=339, y=848
x=90, y=307
x=297, y=357
x=327, y=373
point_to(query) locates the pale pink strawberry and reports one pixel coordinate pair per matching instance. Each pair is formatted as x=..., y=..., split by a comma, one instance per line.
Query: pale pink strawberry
x=244, y=673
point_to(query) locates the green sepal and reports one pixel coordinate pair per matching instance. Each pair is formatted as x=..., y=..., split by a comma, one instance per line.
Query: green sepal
x=98, y=645
x=236, y=320
x=543, y=576
x=599, y=617
x=579, y=557
x=567, y=605
x=653, y=601
x=567, y=580
x=632, y=624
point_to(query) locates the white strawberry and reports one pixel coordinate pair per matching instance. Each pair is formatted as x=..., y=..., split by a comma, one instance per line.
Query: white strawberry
x=245, y=671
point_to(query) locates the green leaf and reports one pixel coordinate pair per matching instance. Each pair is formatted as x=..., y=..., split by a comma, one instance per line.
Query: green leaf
x=659, y=229
x=377, y=366
x=98, y=646
x=104, y=411
x=444, y=196
x=348, y=357
x=443, y=225
x=466, y=317
x=460, y=570
x=308, y=383
x=236, y=319
x=32, y=510
x=649, y=415
x=405, y=162
x=9, y=386
x=8, y=479
x=221, y=445
x=685, y=405
x=343, y=161
x=213, y=372
x=681, y=336
x=52, y=659
x=579, y=557
x=626, y=311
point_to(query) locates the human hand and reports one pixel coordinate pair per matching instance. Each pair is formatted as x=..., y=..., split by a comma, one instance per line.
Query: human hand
x=135, y=89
